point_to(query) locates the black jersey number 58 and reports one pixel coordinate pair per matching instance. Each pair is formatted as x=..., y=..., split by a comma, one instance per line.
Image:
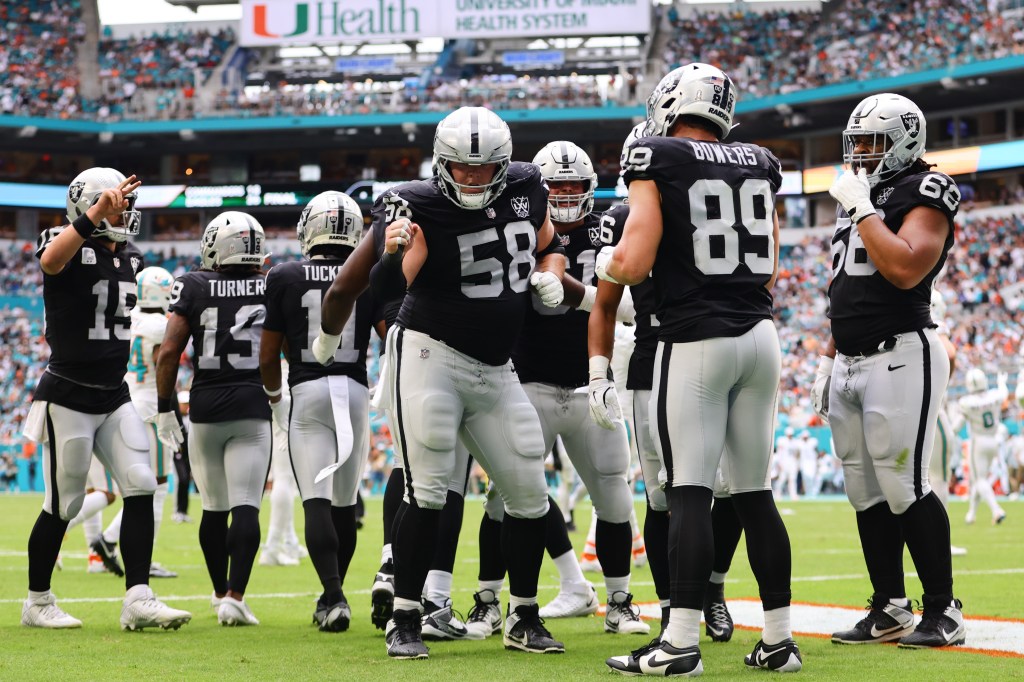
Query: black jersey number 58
x=494, y=285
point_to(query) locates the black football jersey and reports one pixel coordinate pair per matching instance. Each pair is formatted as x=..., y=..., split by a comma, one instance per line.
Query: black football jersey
x=88, y=325
x=225, y=313
x=717, y=249
x=865, y=308
x=295, y=292
x=473, y=289
x=552, y=347
x=640, y=376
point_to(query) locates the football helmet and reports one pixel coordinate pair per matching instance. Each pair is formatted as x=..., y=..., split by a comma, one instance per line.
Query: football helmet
x=564, y=161
x=976, y=380
x=789, y=432
x=154, y=288
x=897, y=132
x=85, y=190
x=233, y=238
x=635, y=134
x=330, y=218
x=938, y=306
x=692, y=90
x=476, y=136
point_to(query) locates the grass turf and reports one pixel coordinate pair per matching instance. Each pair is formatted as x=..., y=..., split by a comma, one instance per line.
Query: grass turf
x=827, y=568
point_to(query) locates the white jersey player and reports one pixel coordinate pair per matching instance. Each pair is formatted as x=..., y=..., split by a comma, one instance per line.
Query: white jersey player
x=808, y=449
x=981, y=409
x=786, y=448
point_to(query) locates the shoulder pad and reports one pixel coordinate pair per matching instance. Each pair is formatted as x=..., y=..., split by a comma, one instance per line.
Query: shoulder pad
x=928, y=188
x=46, y=237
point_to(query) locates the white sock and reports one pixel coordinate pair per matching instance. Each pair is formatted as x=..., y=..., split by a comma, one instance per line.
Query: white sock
x=985, y=493
x=614, y=585
x=280, y=500
x=158, y=508
x=683, y=628
x=93, y=504
x=901, y=602
x=515, y=602
x=495, y=586
x=569, y=572
x=439, y=587
x=113, y=532
x=776, y=626
x=385, y=554
x=35, y=596
x=93, y=527
x=407, y=605
x=718, y=578
x=592, y=533
x=663, y=603
x=633, y=523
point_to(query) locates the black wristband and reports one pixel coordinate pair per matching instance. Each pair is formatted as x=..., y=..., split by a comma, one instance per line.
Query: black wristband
x=83, y=226
x=164, y=405
x=391, y=260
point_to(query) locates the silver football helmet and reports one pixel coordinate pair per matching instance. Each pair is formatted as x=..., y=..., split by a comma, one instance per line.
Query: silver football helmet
x=976, y=380
x=85, y=190
x=475, y=136
x=564, y=161
x=330, y=218
x=896, y=132
x=154, y=288
x=635, y=134
x=233, y=238
x=692, y=90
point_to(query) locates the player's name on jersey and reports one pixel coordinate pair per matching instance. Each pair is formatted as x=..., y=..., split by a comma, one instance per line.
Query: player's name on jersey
x=739, y=155
x=226, y=288
x=320, y=273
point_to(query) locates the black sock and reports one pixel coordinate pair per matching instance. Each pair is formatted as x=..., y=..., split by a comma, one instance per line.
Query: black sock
x=656, y=539
x=213, y=539
x=448, y=529
x=243, y=543
x=881, y=539
x=360, y=509
x=768, y=548
x=556, y=536
x=691, y=545
x=926, y=528
x=43, y=547
x=393, y=493
x=522, y=544
x=492, y=561
x=182, y=482
x=727, y=529
x=614, y=543
x=137, y=539
x=412, y=543
x=322, y=544
x=345, y=525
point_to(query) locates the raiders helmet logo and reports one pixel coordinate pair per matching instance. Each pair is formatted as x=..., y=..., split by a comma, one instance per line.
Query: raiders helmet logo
x=521, y=205
x=75, y=191
x=912, y=122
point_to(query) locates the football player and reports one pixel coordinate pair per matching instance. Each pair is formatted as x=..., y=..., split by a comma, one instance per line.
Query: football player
x=808, y=449
x=702, y=216
x=478, y=240
x=786, y=449
x=100, y=492
x=327, y=415
x=982, y=409
x=82, y=404
x=884, y=371
x=221, y=307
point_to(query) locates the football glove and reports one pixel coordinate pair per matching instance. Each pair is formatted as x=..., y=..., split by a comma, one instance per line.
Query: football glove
x=169, y=430
x=853, y=192
x=325, y=346
x=822, y=384
x=281, y=411
x=604, y=256
x=602, y=396
x=548, y=287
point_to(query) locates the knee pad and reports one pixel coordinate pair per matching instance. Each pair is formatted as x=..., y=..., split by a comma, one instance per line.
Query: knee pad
x=139, y=480
x=133, y=430
x=436, y=420
x=523, y=433
x=494, y=507
x=70, y=510
x=75, y=457
x=531, y=506
x=843, y=440
x=657, y=500
x=878, y=435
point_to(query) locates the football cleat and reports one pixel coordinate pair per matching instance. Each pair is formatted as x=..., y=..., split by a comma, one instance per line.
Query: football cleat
x=622, y=617
x=181, y=517
x=717, y=621
x=95, y=564
x=43, y=612
x=332, y=617
x=590, y=564
x=783, y=657
x=146, y=611
x=107, y=551
x=215, y=600
x=382, y=595
x=440, y=622
x=999, y=518
x=525, y=631
x=885, y=622
x=957, y=551
x=485, y=616
x=235, y=612
x=403, y=636
x=571, y=604
x=969, y=517
x=158, y=571
x=639, y=551
x=939, y=626
x=659, y=659
x=276, y=556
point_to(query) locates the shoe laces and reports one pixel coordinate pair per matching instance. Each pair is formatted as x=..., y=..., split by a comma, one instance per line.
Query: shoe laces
x=719, y=613
x=646, y=648
x=530, y=620
x=626, y=608
x=407, y=627
x=480, y=609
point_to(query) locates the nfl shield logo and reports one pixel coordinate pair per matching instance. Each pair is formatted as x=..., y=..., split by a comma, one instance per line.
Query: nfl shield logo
x=490, y=213
x=424, y=353
x=117, y=262
x=521, y=205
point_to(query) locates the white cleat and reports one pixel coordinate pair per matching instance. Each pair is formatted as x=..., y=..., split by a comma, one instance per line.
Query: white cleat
x=43, y=612
x=999, y=518
x=571, y=604
x=969, y=518
x=142, y=609
x=235, y=612
x=215, y=600
x=957, y=551
x=590, y=564
x=622, y=617
x=277, y=556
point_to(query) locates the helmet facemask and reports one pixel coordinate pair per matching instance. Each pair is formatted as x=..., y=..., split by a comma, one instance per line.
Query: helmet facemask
x=473, y=197
x=569, y=208
x=881, y=163
x=893, y=128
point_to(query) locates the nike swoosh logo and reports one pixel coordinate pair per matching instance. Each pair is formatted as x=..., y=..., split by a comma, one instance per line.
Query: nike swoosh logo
x=656, y=661
x=875, y=632
x=947, y=635
x=893, y=369
x=762, y=657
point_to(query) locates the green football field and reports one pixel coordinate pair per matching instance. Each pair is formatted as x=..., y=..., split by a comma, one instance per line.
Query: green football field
x=827, y=569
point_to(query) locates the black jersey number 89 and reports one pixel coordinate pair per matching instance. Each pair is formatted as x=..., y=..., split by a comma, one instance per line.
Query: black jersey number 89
x=522, y=255
x=716, y=240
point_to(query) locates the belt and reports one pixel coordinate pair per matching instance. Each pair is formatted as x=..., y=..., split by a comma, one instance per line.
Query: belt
x=884, y=347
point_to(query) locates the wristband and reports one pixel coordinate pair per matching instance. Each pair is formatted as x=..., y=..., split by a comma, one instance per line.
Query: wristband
x=83, y=226
x=272, y=394
x=599, y=367
x=164, y=405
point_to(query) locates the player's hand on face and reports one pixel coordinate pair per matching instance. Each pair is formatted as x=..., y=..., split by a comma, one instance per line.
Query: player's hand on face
x=400, y=234
x=112, y=201
x=853, y=192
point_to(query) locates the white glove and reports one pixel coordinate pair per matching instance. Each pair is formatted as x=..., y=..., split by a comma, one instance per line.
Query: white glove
x=626, y=313
x=853, y=192
x=325, y=346
x=1001, y=378
x=822, y=383
x=589, y=296
x=548, y=287
x=602, y=396
x=169, y=430
x=281, y=411
x=604, y=256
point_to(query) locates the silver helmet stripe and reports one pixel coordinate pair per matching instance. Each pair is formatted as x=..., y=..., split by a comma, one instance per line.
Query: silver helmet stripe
x=474, y=132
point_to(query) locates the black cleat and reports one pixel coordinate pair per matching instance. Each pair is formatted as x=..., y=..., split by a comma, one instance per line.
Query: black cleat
x=783, y=657
x=403, y=636
x=939, y=626
x=332, y=617
x=659, y=659
x=717, y=621
x=382, y=595
x=525, y=631
x=107, y=551
x=885, y=622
